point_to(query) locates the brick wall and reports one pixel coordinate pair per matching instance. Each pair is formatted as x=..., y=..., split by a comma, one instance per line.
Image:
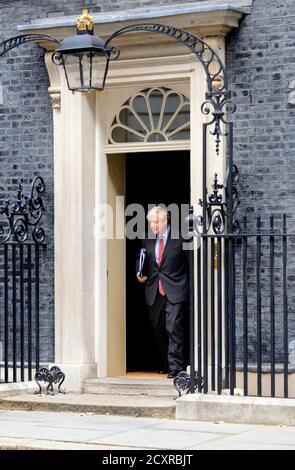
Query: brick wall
x=261, y=68
x=261, y=65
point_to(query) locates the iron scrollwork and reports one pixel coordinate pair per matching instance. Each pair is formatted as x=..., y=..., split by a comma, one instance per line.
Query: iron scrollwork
x=235, y=195
x=218, y=106
x=183, y=381
x=216, y=211
x=216, y=206
x=50, y=376
x=213, y=66
x=17, y=41
x=25, y=212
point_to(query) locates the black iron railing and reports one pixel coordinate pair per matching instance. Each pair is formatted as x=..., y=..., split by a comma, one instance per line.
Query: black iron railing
x=21, y=246
x=246, y=308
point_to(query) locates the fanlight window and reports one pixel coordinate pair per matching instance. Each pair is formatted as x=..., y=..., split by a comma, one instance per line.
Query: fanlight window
x=153, y=115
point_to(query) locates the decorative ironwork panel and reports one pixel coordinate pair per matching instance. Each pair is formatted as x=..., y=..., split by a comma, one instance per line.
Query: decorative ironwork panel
x=54, y=375
x=213, y=66
x=23, y=214
x=21, y=271
x=217, y=205
x=183, y=383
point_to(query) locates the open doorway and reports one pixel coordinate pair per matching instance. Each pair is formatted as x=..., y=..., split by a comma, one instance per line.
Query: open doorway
x=151, y=178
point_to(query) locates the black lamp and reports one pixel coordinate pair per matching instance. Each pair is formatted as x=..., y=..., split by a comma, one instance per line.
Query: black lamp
x=84, y=57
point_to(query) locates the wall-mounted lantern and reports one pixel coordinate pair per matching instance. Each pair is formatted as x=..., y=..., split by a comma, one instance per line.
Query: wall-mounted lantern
x=84, y=57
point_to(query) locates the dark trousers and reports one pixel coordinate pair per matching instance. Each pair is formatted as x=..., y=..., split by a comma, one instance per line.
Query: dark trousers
x=167, y=322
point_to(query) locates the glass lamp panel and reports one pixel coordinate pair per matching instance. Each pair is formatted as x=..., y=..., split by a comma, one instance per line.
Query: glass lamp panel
x=77, y=67
x=99, y=67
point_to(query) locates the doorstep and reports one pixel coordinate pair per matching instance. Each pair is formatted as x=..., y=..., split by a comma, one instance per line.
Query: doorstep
x=135, y=406
x=131, y=385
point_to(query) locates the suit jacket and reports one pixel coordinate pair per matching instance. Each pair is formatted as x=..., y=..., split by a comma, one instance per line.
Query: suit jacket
x=173, y=271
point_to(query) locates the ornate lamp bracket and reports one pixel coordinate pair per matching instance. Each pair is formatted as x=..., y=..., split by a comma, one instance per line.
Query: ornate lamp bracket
x=17, y=41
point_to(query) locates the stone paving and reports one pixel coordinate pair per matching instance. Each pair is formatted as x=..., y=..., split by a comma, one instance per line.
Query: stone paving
x=77, y=431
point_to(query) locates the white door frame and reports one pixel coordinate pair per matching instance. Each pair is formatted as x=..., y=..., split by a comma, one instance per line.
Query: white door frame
x=80, y=186
x=183, y=74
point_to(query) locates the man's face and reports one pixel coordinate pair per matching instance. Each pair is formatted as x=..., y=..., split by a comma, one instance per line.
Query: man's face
x=158, y=224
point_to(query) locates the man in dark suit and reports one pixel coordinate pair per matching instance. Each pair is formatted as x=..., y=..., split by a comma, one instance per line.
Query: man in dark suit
x=166, y=281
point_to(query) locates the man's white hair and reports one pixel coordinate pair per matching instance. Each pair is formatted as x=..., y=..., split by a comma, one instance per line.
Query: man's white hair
x=157, y=210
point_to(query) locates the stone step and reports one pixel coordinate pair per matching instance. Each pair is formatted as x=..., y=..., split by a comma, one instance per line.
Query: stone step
x=130, y=386
x=135, y=406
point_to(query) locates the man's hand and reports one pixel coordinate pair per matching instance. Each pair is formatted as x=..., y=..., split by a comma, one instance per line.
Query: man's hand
x=140, y=278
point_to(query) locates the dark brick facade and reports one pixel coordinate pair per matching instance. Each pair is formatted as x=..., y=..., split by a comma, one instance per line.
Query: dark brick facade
x=261, y=65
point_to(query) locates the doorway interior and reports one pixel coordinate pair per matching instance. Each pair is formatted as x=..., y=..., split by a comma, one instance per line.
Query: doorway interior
x=151, y=178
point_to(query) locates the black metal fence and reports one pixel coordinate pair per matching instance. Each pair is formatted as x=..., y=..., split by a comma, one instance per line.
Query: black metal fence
x=245, y=303
x=20, y=261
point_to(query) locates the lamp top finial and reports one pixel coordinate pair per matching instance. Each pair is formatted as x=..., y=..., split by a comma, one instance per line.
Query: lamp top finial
x=85, y=21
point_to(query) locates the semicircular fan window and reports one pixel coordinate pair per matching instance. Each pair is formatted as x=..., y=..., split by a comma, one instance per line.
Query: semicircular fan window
x=152, y=115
